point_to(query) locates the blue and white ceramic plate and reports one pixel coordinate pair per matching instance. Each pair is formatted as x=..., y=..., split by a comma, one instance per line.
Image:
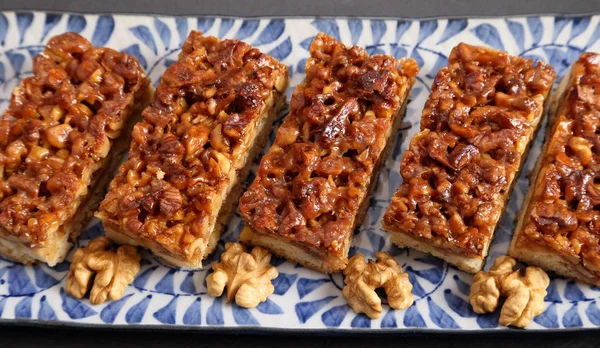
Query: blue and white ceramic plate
x=303, y=299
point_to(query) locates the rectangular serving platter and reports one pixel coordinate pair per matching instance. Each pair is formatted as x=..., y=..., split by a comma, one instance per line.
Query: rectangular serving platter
x=304, y=300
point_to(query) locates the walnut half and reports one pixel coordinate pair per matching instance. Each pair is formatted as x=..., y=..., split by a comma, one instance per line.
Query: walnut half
x=109, y=271
x=524, y=293
x=247, y=276
x=363, y=278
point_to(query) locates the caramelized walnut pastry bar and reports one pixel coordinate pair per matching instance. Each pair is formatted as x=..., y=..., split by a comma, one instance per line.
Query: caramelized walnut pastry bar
x=559, y=227
x=312, y=188
x=211, y=115
x=60, y=138
x=478, y=121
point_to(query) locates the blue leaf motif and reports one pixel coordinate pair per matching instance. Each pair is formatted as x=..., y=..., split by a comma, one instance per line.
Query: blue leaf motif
x=42, y=279
x=417, y=289
x=3, y=28
x=143, y=34
x=488, y=34
x=463, y=287
x=335, y=316
x=3, y=301
x=50, y=22
x=226, y=24
x=193, y=315
x=306, y=285
x=181, y=24
x=426, y=28
x=75, y=309
x=415, y=54
x=518, y=33
x=247, y=28
x=282, y=51
x=163, y=32
x=166, y=315
x=432, y=275
x=141, y=280
x=440, y=62
x=559, y=24
x=579, y=26
x=165, y=285
x=24, y=21
x=458, y=305
x=552, y=294
x=46, y=312
x=453, y=27
x=16, y=61
x=103, y=31
x=23, y=308
x=214, y=315
x=269, y=307
x=377, y=241
x=356, y=27
x=283, y=282
x=204, y=24
x=399, y=52
x=271, y=32
x=592, y=312
x=328, y=26
x=135, y=314
x=549, y=318
x=18, y=281
x=440, y=317
x=412, y=318
x=536, y=28
x=571, y=318
x=109, y=313
x=306, y=43
x=242, y=316
x=402, y=27
x=188, y=285
x=305, y=310
x=488, y=320
x=134, y=50
x=76, y=23
x=573, y=293
x=378, y=29
x=300, y=68
x=389, y=320
x=361, y=321
x=592, y=40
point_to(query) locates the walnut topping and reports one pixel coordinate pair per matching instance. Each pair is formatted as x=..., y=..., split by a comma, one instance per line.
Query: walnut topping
x=310, y=184
x=564, y=210
x=524, y=292
x=475, y=126
x=247, y=276
x=363, y=278
x=191, y=142
x=58, y=127
x=106, y=272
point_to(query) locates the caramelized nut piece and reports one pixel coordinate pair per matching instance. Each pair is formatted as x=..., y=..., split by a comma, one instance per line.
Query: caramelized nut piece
x=363, y=278
x=247, y=276
x=524, y=293
x=107, y=273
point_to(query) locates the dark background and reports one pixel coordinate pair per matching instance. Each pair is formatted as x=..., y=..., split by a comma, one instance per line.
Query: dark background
x=25, y=337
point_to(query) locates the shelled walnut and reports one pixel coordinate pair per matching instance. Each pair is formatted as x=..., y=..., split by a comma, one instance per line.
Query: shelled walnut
x=363, y=278
x=106, y=272
x=247, y=276
x=524, y=293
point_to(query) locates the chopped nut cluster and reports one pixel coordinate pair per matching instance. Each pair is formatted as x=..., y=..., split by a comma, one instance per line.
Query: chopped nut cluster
x=247, y=276
x=475, y=127
x=363, y=278
x=106, y=272
x=58, y=129
x=310, y=184
x=564, y=211
x=524, y=293
x=186, y=152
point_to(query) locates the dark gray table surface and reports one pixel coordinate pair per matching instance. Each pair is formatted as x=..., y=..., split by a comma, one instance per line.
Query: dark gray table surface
x=25, y=337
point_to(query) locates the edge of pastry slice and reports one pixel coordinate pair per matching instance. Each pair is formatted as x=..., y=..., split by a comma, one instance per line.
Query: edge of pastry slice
x=558, y=225
x=312, y=187
x=211, y=115
x=476, y=128
x=61, y=138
